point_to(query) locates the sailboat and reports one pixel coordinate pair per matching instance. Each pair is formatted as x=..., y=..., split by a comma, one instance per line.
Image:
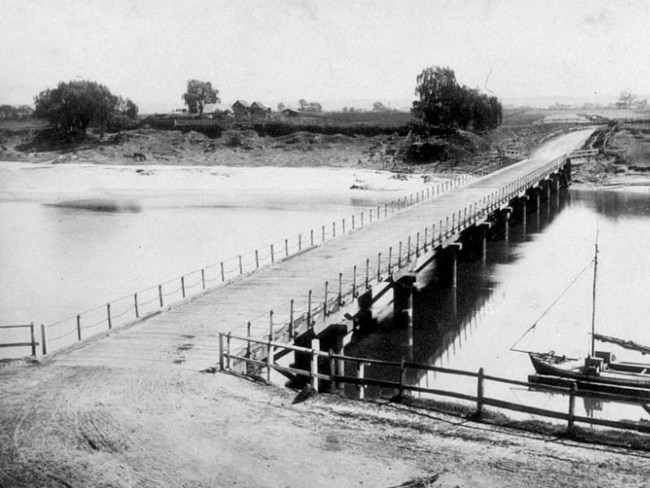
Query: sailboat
x=599, y=370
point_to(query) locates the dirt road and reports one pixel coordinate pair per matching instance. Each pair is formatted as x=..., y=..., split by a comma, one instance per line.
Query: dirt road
x=167, y=426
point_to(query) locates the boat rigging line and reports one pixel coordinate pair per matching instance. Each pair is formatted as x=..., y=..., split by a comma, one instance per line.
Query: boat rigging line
x=582, y=271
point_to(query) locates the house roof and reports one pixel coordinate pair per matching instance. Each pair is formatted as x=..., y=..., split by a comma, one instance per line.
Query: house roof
x=242, y=103
x=259, y=105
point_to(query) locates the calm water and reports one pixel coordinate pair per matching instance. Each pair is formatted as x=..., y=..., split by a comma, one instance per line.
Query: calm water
x=61, y=255
x=524, y=282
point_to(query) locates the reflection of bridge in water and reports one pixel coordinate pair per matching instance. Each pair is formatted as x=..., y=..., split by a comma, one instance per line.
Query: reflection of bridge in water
x=337, y=281
x=445, y=317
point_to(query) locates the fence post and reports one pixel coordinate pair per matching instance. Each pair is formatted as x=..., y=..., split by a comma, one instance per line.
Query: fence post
x=108, y=315
x=402, y=378
x=79, y=327
x=203, y=278
x=272, y=255
x=399, y=256
x=291, y=319
x=183, y=286
x=311, y=237
x=572, y=408
x=269, y=359
x=343, y=225
x=135, y=304
x=417, y=245
x=352, y=221
x=325, y=302
x=286, y=248
x=361, y=366
x=44, y=339
x=299, y=242
x=354, y=281
x=309, y=324
x=313, y=370
x=160, y=296
x=257, y=259
x=248, y=335
x=333, y=229
x=390, y=261
x=228, y=351
x=241, y=268
x=480, y=392
x=323, y=231
x=33, y=337
x=426, y=238
x=332, y=370
x=221, y=358
x=340, y=299
x=223, y=274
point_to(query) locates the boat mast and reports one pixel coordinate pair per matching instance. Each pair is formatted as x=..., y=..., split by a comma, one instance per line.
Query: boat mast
x=593, y=302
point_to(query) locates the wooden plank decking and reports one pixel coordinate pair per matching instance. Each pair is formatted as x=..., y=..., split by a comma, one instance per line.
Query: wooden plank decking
x=187, y=334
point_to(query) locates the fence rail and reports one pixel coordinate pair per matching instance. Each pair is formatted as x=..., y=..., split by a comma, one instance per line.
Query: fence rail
x=336, y=376
x=32, y=337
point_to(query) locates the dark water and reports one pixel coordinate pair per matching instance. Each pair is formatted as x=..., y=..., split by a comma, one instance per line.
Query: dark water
x=526, y=281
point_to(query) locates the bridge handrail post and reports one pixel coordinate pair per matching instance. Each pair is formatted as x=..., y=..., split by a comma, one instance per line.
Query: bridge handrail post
x=379, y=267
x=291, y=332
x=340, y=297
x=79, y=327
x=367, y=273
x=354, y=281
x=325, y=302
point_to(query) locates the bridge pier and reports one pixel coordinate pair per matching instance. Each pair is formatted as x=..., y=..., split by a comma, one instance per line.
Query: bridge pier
x=521, y=204
x=448, y=264
x=403, y=300
x=503, y=223
x=364, y=319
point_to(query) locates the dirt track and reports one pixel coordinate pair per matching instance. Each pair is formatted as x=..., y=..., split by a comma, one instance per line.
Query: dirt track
x=166, y=426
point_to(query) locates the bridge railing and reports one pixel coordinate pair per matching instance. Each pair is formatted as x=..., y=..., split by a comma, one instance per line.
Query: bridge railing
x=338, y=370
x=153, y=300
x=295, y=316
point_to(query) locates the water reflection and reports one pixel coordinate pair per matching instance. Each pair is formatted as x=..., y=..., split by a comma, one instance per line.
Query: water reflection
x=495, y=302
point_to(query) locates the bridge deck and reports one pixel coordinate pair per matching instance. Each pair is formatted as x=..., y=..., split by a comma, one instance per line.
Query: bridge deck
x=187, y=335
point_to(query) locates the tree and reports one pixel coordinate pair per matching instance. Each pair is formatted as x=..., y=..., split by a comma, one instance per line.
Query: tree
x=199, y=93
x=281, y=107
x=379, y=107
x=442, y=102
x=72, y=107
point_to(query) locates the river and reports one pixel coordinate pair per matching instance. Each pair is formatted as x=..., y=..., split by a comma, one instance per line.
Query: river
x=537, y=285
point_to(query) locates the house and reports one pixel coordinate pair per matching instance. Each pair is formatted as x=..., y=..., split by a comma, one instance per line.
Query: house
x=259, y=110
x=289, y=112
x=241, y=109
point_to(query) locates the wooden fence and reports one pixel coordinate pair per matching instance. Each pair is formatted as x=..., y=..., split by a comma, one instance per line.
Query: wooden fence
x=336, y=376
x=32, y=342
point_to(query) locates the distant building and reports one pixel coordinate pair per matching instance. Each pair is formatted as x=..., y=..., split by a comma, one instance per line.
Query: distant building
x=289, y=112
x=259, y=110
x=241, y=109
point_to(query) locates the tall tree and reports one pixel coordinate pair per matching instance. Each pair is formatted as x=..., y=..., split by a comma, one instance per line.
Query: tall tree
x=72, y=107
x=442, y=102
x=198, y=94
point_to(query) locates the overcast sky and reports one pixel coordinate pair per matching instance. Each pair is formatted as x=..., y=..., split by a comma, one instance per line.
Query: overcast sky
x=324, y=50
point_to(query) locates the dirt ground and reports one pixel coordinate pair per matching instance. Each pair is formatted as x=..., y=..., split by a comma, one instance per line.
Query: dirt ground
x=165, y=426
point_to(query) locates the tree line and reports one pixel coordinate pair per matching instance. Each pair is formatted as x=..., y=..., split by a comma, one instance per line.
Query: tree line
x=443, y=102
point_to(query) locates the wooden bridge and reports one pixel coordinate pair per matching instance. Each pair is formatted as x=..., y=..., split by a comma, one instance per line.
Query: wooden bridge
x=282, y=293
